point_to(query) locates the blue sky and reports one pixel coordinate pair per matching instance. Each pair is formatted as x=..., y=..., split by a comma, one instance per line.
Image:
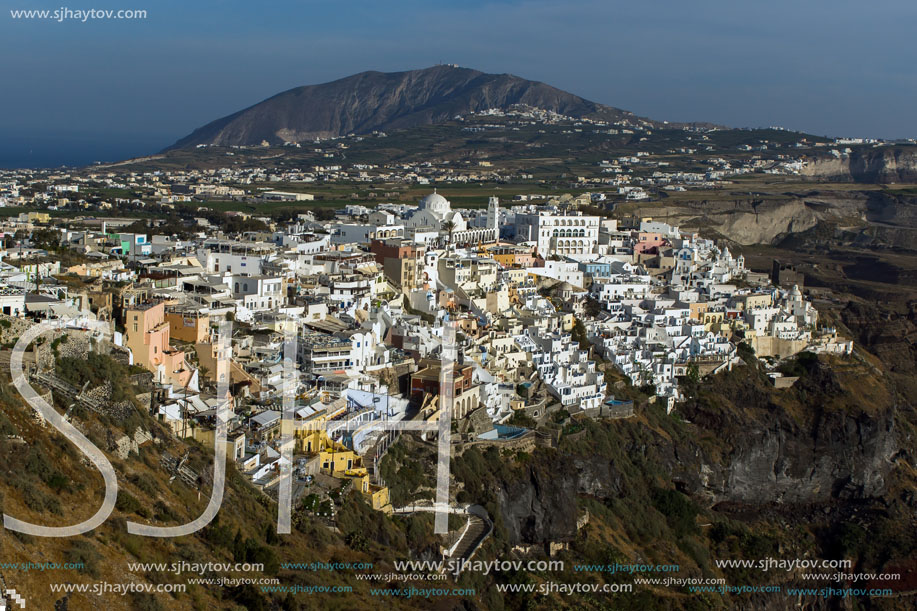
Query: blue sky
x=110, y=89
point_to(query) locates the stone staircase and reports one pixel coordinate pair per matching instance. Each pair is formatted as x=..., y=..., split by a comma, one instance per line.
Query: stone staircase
x=477, y=529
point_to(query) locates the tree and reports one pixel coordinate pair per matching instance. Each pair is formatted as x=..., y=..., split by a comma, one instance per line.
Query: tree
x=593, y=306
x=745, y=352
x=580, y=335
x=46, y=239
x=450, y=227
x=690, y=383
x=693, y=373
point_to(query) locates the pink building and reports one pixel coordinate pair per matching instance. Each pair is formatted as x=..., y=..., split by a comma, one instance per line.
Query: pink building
x=649, y=242
x=148, y=339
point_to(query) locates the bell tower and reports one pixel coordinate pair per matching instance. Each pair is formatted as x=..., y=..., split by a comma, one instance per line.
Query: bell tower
x=493, y=216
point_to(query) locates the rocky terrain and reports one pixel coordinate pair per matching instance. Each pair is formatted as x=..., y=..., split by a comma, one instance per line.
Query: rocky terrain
x=372, y=101
x=875, y=217
x=874, y=165
x=743, y=470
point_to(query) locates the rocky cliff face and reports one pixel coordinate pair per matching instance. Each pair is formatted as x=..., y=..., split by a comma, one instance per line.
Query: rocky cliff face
x=760, y=221
x=890, y=333
x=840, y=456
x=798, y=447
x=812, y=443
x=878, y=217
x=386, y=101
x=872, y=165
x=764, y=222
x=540, y=507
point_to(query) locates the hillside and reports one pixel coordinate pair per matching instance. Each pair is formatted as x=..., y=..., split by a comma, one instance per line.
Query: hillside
x=371, y=101
x=46, y=481
x=744, y=470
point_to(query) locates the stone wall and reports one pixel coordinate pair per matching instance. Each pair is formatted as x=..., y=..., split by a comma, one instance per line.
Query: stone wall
x=11, y=328
x=768, y=345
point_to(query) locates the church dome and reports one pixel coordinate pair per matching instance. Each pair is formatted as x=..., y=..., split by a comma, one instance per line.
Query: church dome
x=435, y=203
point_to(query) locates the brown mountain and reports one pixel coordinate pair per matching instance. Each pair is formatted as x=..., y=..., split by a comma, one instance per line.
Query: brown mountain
x=386, y=101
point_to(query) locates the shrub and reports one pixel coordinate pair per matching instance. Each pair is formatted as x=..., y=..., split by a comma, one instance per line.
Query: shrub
x=127, y=502
x=82, y=551
x=679, y=511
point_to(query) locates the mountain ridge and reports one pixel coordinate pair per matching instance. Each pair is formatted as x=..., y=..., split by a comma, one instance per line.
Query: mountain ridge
x=379, y=101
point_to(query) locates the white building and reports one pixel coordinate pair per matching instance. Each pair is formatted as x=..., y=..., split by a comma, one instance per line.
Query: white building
x=558, y=233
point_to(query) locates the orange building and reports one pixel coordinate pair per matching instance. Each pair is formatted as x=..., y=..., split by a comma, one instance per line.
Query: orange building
x=191, y=328
x=512, y=256
x=698, y=309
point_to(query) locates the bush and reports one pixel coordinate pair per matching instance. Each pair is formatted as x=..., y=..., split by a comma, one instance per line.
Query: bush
x=519, y=418
x=163, y=512
x=146, y=485
x=97, y=369
x=127, y=502
x=802, y=364
x=82, y=551
x=38, y=500
x=6, y=427
x=679, y=511
x=142, y=601
x=745, y=351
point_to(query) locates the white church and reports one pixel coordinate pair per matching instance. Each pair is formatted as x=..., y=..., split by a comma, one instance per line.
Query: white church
x=435, y=210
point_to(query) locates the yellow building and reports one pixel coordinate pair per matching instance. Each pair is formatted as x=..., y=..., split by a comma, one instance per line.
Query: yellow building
x=715, y=322
x=515, y=276
x=511, y=256
x=698, y=309
x=235, y=441
x=337, y=460
x=38, y=217
x=751, y=302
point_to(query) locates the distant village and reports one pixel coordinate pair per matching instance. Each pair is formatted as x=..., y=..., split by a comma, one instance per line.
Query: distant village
x=640, y=175
x=558, y=312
